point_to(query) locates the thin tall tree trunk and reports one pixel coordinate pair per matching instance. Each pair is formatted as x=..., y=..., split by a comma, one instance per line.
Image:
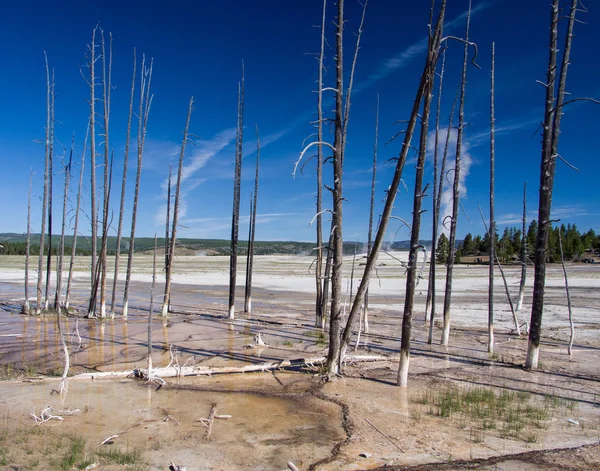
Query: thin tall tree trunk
x=28, y=247
x=151, y=313
x=411, y=275
x=76, y=225
x=571, y=325
x=552, y=118
x=167, y=296
x=333, y=360
x=492, y=231
x=430, y=302
x=106, y=91
x=510, y=303
x=167, y=222
x=145, y=102
x=387, y=211
x=326, y=283
x=250, y=257
x=38, y=307
x=63, y=382
x=50, y=175
x=371, y=213
x=456, y=191
x=94, y=214
x=523, y=252
x=235, y=218
x=320, y=308
x=123, y=187
x=61, y=245
x=436, y=220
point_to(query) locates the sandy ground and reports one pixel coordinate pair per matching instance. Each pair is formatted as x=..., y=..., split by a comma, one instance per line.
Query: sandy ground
x=295, y=416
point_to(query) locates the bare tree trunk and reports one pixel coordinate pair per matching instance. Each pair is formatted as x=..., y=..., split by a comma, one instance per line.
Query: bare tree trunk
x=235, y=218
x=250, y=257
x=571, y=325
x=552, y=118
x=510, y=303
x=145, y=102
x=94, y=214
x=492, y=231
x=151, y=313
x=371, y=212
x=106, y=91
x=27, y=247
x=436, y=219
x=61, y=245
x=411, y=275
x=167, y=238
x=123, y=187
x=167, y=222
x=320, y=308
x=523, y=252
x=430, y=302
x=38, y=307
x=387, y=211
x=104, y=251
x=63, y=382
x=333, y=360
x=167, y=296
x=50, y=175
x=456, y=192
x=76, y=225
x=326, y=283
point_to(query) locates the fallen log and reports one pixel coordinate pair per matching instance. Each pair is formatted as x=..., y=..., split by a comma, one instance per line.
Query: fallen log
x=172, y=371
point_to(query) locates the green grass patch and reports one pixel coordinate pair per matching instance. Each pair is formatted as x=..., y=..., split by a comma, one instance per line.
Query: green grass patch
x=514, y=414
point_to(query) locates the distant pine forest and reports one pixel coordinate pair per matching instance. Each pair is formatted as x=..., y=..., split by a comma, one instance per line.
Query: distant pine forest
x=576, y=245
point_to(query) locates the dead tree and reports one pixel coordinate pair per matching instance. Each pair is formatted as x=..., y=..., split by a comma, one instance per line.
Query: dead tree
x=387, y=212
x=50, y=178
x=237, y=181
x=167, y=296
x=38, y=307
x=497, y=260
x=523, y=252
x=492, y=231
x=551, y=131
x=434, y=41
x=151, y=313
x=320, y=306
x=436, y=220
x=93, y=212
x=571, y=325
x=123, y=186
x=252, y=234
x=341, y=119
x=430, y=302
x=455, y=189
x=61, y=245
x=337, y=247
x=76, y=224
x=144, y=111
x=167, y=223
x=106, y=91
x=28, y=247
x=371, y=212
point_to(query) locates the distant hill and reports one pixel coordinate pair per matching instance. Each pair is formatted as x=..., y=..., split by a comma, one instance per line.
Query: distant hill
x=198, y=246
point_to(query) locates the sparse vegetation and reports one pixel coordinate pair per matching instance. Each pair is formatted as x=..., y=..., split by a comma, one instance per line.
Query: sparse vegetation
x=513, y=414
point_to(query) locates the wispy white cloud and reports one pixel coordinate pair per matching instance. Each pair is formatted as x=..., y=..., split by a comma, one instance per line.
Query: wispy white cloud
x=403, y=58
x=568, y=213
x=483, y=137
x=466, y=160
x=208, y=227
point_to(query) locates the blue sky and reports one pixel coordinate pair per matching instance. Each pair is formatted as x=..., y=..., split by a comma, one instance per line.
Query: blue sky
x=198, y=48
